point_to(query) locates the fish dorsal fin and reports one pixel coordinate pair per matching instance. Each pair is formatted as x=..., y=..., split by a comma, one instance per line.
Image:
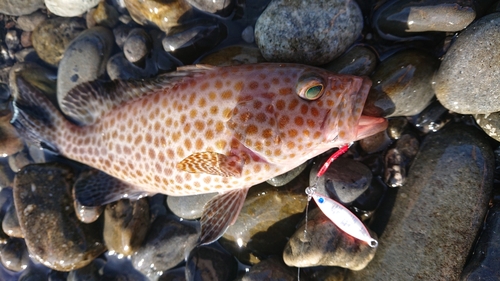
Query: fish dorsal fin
x=96, y=188
x=87, y=102
x=212, y=163
x=220, y=213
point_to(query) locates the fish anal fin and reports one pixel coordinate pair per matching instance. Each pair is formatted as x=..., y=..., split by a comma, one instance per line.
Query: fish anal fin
x=219, y=213
x=96, y=188
x=212, y=163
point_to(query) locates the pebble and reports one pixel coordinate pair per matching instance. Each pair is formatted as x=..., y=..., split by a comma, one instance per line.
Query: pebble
x=167, y=243
x=490, y=123
x=20, y=7
x=483, y=264
x=219, y=7
x=375, y=143
x=118, y=67
x=438, y=212
x=137, y=45
x=125, y=225
x=162, y=14
x=84, y=60
x=189, y=207
x=233, y=55
x=105, y=15
x=402, y=85
x=398, y=159
x=268, y=217
x=87, y=214
x=325, y=244
x=178, y=274
x=432, y=118
x=468, y=79
x=51, y=37
x=6, y=174
x=287, y=177
x=358, y=60
x=272, y=268
x=396, y=127
x=10, y=223
x=120, y=33
x=70, y=8
x=26, y=40
x=344, y=180
x=399, y=19
x=209, y=263
x=53, y=234
x=88, y=272
x=31, y=21
x=14, y=255
x=10, y=142
x=12, y=40
x=283, y=31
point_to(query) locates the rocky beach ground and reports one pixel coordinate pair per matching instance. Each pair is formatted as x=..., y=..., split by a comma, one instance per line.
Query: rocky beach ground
x=427, y=188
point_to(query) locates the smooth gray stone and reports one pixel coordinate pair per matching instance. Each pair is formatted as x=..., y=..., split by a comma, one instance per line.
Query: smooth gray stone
x=20, y=7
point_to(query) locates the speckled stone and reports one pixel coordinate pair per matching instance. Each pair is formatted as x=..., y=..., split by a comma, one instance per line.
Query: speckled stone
x=53, y=234
x=283, y=31
x=435, y=217
x=268, y=217
x=84, y=60
x=325, y=244
x=20, y=7
x=469, y=76
x=70, y=8
x=402, y=85
x=51, y=37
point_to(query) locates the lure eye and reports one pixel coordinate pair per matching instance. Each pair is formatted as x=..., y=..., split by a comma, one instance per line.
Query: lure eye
x=310, y=86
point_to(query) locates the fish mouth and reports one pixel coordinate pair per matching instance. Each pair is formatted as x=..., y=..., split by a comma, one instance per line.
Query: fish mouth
x=369, y=125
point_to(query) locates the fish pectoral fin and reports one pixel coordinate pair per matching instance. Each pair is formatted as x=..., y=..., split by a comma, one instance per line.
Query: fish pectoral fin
x=212, y=163
x=220, y=213
x=96, y=188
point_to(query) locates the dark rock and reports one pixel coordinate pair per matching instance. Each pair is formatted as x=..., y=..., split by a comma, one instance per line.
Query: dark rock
x=396, y=127
x=233, y=55
x=272, y=268
x=375, y=143
x=358, y=60
x=467, y=80
x=436, y=215
x=10, y=223
x=14, y=255
x=490, y=123
x=325, y=244
x=53, y=233
x=137, y=45
x=166, y=244
x=208, y=263
x=432, y=118
x=287, y=177
x=283, y=31
x=398, y=159
x=92, y=271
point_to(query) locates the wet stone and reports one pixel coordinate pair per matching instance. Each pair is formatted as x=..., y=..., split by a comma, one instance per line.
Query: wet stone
x=268, y=217
x=287, y=177
x=14, y=255
x=10, y=223
x=53, y=233
x=283, y=31
x=70, y=8
x=31, y=21
x=325, y=273
x=105, y=15
x=162, y=14
x=26, y=39
x=234, y=55
x=402, y=85
x=359, y=60
x=12, y=40
x=51, y=37
x=10, y=142
x=325, y=244
x=219, y=7
x=375, y=143
x=178, y=274
x=166, y=244
x=468, y=79
x=120, y=33
x=344, y=180
x=490, y=123
x=210, y=263
x=272, y=268
x=398, y=159
x=20, y=7
x=438, y=212
x=396, y=127
x=125, y=225
x=483, y=264
x=87, y=214
x=19, y=160
x=84, y=60
x=88, y=272
x=189, y=207
x=407, y=17
x=137, y=45
x=432, y=118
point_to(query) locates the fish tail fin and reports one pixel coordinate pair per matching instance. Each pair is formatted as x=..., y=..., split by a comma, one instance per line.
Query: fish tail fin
x=36, y=119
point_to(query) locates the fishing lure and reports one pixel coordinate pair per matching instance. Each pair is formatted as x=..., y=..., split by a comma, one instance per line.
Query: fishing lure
x=338, y=214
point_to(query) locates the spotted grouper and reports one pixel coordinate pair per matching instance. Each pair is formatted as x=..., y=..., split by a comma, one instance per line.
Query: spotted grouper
x=200, y=129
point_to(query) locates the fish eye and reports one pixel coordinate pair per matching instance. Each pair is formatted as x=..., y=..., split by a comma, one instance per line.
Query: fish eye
x=310, y=86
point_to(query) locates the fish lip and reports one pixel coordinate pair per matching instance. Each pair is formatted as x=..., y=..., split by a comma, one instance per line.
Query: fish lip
x=370, y=125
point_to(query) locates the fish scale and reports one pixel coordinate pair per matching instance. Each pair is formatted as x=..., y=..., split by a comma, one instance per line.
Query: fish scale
x=204, y=129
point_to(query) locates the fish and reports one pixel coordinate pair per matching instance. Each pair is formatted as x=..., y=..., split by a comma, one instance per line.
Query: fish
x=199, y=129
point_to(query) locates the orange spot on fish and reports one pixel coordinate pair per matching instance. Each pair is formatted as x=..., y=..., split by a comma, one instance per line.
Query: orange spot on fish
x=238, y=86
x=218, y=84
x=253, y=85
x=225, y=95
x=299, y=121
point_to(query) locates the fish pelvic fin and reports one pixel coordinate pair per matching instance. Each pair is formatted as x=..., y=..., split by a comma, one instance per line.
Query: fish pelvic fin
x=220, y=213
x=35, y=118
x=88, y=102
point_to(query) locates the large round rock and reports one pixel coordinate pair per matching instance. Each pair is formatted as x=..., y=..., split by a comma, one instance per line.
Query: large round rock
x=469, y=76
x=310, y=31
